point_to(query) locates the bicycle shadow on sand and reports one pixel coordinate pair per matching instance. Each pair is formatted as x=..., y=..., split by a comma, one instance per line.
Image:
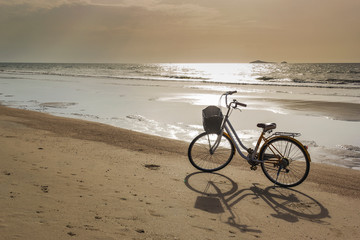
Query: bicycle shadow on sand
x=219, y=194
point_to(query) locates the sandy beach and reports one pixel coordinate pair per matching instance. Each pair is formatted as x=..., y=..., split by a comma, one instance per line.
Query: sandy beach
x=72, y=179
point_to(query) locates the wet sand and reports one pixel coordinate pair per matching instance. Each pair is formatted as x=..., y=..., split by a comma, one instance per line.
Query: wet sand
x=71, y=179
x=334, y=110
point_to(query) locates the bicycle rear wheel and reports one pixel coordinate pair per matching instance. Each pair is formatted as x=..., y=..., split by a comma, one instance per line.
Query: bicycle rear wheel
x=200, y=155
x=285, y=161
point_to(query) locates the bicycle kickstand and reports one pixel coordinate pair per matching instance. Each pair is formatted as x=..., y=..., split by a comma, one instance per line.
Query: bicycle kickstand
x=277, y=176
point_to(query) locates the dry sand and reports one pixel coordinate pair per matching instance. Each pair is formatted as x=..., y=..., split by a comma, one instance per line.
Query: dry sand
x=70, y=179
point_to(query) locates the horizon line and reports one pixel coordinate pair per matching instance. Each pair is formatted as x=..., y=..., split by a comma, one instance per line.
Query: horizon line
x=252, y=62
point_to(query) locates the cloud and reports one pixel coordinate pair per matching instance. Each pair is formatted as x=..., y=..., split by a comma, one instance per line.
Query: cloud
x=89, y=30
x=170, y=7
x=34, y=5
x=156, y=30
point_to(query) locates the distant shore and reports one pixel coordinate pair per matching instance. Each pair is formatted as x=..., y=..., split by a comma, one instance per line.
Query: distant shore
x=261, y=61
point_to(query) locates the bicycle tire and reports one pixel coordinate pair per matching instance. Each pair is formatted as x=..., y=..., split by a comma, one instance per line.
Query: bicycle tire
x=200, y=156
x=285, y=161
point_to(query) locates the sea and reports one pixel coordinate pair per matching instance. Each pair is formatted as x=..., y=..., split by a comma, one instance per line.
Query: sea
x=320, y=100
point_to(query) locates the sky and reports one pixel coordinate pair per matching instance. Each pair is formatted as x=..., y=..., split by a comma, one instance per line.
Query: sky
x=180, y=31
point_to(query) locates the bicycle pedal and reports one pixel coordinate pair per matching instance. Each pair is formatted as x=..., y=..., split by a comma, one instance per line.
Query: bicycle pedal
x=253, y=168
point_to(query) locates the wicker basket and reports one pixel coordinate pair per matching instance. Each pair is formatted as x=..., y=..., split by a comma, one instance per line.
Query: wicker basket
x=212, y=119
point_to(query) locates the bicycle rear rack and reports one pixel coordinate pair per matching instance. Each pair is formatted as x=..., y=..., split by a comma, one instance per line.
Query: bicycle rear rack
x=288, y=134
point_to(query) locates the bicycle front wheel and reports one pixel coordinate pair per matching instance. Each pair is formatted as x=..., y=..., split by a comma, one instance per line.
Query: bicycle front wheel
x=285, y=161
x=201, y=156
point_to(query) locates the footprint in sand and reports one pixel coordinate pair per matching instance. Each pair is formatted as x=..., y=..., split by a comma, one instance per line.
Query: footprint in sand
x=155, y=214
x=71, y=234
x=45, y=189
x=69, y=226
x=13, y=194
x=91, y=228
x=152, y=166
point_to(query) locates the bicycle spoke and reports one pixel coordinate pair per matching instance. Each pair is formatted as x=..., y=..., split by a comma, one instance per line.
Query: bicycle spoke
x=204, y=156
x=292, y=166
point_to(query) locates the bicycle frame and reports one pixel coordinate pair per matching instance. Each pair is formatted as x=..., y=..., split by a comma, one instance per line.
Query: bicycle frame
x=236, y=140
x=230, y=131
x=252, y=153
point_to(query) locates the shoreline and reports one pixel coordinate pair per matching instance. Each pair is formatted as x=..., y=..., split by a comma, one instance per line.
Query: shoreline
x=92, y=131
x=74, y=179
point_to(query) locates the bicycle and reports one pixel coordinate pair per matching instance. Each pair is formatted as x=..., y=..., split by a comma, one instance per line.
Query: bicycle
x=284, y=160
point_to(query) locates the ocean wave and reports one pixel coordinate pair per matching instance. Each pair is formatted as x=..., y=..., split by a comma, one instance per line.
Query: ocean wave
x=183, y=77
x=328, y=81
x=57, y=104
x=331, y=84
x=305, y=85
x=264, y=78
x=350, y=147
x=137, y=117
x=307, y=82
x=341, y=81
x=343, y=72
x=343, y=76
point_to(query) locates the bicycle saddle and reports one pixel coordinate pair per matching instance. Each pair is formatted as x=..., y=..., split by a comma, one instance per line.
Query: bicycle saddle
x=267, y=126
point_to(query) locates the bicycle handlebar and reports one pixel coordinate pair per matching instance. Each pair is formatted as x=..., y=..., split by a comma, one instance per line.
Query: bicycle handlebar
x=239, y=103
x=234, y=102
x=230, y=92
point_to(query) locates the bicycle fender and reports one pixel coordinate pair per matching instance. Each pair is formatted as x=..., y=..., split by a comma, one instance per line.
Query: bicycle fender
x=293, y=139
x=228, y=135
x=225, y=133
x=232, y=140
